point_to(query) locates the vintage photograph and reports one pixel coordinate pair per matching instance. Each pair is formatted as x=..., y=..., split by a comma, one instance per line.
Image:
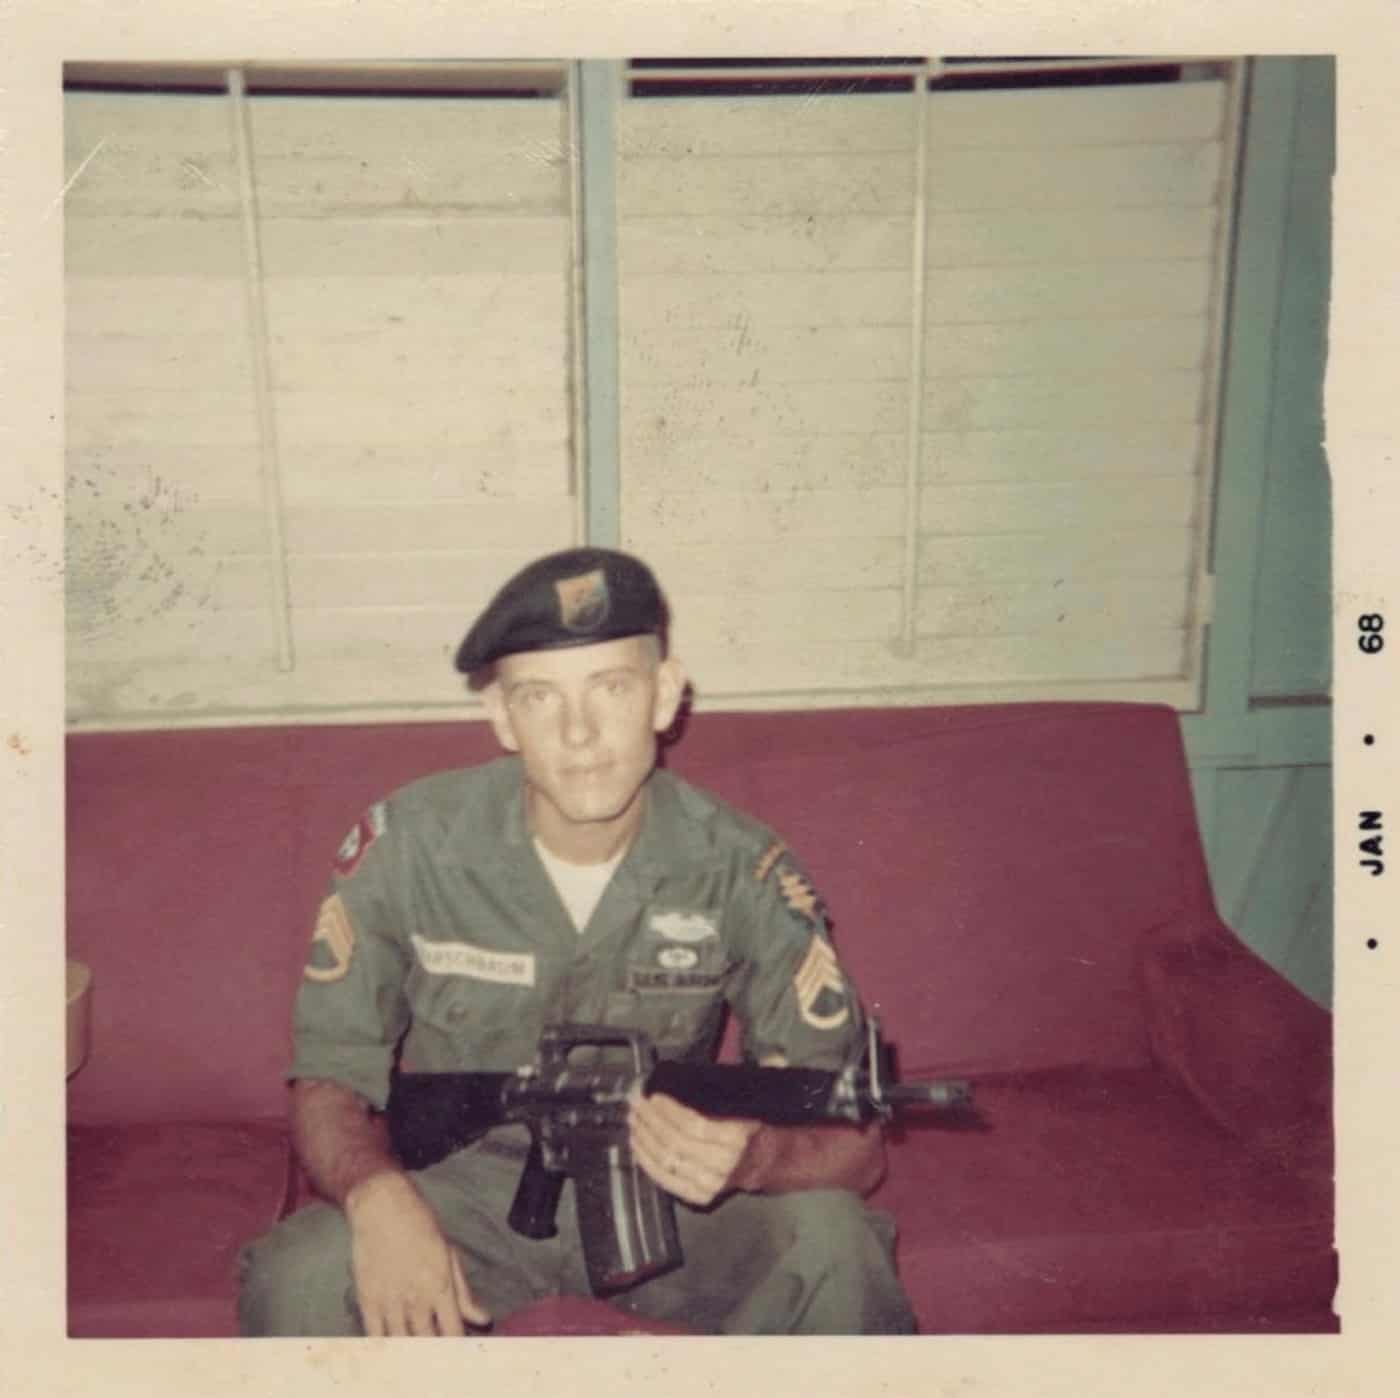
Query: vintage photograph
x=699, y=696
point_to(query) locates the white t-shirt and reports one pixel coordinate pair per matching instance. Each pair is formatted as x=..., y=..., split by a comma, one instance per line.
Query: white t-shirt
x=580, y=885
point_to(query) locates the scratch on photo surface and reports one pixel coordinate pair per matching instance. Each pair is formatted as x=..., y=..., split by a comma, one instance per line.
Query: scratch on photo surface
x=194, y=170
x=73, y=179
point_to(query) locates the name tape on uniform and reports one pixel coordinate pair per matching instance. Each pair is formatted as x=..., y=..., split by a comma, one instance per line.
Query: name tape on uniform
x=477, y=963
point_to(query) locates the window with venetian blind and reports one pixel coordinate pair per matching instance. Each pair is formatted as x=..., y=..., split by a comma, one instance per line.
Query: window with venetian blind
x=919, y=375
x=919, y=369
x=319, y=385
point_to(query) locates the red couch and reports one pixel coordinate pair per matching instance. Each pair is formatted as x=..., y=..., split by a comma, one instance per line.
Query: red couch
x=1018, y=890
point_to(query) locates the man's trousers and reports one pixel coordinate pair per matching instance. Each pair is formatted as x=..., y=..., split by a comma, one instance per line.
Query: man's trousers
x=813, y=1262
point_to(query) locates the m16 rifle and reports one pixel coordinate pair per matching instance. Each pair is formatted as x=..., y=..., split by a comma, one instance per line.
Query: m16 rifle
x=574, y=1097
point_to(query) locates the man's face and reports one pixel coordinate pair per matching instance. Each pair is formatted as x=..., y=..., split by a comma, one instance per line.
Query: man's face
x=584, y=720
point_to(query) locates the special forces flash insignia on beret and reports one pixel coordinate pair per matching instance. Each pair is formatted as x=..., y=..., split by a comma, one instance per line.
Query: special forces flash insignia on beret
x=821, y=988
x=583, y=601
x=332, y=943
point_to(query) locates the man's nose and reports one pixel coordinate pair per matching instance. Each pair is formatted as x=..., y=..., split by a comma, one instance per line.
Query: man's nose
x=579, y=726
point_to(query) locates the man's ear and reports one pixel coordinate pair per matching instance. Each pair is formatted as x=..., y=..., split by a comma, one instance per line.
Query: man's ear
x=495, y=700
x=670, y=687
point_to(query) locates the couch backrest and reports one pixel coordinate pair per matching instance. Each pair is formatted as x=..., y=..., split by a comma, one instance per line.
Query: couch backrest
x=195, y=864
x=988, y=870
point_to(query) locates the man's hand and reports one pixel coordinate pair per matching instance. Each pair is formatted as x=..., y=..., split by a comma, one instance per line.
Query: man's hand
x=696, y=1158
x=408, y=1278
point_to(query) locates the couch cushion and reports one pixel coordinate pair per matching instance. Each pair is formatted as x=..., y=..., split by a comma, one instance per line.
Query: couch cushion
x=156, y=1216
x=1101, y=1200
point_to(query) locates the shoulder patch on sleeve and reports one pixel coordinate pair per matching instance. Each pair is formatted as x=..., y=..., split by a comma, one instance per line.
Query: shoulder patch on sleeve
x=800, y=897
x=355, y=845
x=767, y=860
x=332, y=943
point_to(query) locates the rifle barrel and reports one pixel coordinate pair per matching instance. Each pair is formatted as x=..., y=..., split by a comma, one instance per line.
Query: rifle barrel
x=944, y=1094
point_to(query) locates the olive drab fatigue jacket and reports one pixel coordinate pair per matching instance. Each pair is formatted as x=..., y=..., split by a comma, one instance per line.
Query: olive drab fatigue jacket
x=440, y=934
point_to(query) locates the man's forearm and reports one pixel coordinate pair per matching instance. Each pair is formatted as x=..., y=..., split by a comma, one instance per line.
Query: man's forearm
x=339, y=1144
x=781, y=1159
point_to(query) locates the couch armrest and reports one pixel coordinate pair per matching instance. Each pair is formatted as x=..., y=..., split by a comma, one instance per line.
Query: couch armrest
x=1251, y=1048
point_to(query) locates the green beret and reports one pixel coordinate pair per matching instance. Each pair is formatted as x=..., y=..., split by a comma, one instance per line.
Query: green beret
x=575, y=598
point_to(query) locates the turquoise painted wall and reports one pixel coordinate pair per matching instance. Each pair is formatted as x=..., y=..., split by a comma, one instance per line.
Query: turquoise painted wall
x=1261, y=750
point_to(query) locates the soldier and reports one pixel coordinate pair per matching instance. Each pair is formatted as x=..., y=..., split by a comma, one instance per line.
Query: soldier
x=571, y=879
